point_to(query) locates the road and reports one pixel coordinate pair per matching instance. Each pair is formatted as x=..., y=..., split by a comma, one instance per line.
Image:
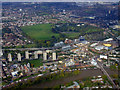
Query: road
x=105, y=72
x=22, y=49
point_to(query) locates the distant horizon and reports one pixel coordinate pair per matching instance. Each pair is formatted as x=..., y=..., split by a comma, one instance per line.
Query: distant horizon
x=60, y=1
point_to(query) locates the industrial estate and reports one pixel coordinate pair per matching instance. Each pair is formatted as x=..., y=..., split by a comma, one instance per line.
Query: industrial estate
x=60, y=45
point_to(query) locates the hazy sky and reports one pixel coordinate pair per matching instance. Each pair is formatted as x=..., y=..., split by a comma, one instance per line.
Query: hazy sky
x=58, y=0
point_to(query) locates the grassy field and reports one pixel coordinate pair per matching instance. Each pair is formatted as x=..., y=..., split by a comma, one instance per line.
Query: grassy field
x=39, y=32
x=35, y=63
x=72, y=35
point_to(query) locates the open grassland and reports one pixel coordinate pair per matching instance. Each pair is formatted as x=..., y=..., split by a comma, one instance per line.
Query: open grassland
x=72, y=35
x=34, y=63
x=39, y=32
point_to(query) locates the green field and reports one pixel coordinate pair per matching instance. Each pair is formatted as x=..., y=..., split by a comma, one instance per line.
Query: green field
x=35, y=63
x=39, y=32
x=72, y=35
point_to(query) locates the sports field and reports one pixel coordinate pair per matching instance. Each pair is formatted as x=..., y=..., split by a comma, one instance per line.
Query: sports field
x=39, y=32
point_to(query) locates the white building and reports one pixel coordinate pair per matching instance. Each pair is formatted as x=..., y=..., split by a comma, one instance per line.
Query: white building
x=93, y=62
x=44, y=56
x=48, y=51
x=94, y=44
x=99, y=47
x=9, y=57
x=19, y=56
x=54, y=56
x=109, y=39
x=103, y=56
x=27, y=55
x=36, y=54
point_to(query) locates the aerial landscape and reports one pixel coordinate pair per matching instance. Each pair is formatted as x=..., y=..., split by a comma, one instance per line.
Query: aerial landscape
x=60, y=45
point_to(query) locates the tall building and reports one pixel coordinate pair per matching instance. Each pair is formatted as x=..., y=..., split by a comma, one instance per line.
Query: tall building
x=19, y=56
x=44, y=56
x=9, y=57
x=54, y=56
x=48, y=51
x=35, y=55
x=27, y=55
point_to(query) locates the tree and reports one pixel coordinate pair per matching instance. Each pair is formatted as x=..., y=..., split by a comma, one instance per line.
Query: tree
x=115, y=75
x=113, y=67
x=76, y=72
x=48, y=43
